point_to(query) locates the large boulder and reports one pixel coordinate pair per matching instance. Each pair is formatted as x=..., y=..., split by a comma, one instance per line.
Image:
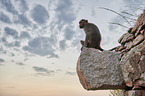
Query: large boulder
x=99, y=70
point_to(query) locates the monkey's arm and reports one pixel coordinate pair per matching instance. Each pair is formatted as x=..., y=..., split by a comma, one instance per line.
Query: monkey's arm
x=86, y=43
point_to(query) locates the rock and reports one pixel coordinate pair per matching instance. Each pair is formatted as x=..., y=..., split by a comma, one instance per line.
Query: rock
x=142, y=64
x=138, y=39
x=134, y=93
x=139, y=23
x=129, y=31
x=124, y=38
x=128, y=45
x=130, y=38
x=143, y=51
x=144, y=22
x=140, y=83
x=143, y=76
x=99, y=70
x=119, y=48
x=131, y=63
x=144, y=35
x=142, y=31
x=138, y=31
x=124, y=50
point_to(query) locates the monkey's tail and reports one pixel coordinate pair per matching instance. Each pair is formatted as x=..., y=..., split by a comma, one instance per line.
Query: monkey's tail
x=113, y=49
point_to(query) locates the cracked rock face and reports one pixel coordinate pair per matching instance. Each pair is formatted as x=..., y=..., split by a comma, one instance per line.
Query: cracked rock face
x=133, y=66
x=99, y=70
x=133, y=55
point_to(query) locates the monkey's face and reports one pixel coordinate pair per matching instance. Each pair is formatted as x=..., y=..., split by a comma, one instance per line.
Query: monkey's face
x=82, y=24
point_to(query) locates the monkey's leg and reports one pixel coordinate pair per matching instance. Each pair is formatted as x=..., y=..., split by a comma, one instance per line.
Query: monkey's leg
x=82, y=42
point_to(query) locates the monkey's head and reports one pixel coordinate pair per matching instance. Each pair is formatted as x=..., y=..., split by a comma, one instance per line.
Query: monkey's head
x=82, y=23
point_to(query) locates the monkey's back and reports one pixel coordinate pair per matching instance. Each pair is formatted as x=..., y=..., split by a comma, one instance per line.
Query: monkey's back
x=94, y=35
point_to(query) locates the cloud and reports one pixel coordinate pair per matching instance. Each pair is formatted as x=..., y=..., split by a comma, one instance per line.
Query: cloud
x=39, y=14
x=71, y=73
x=16, y=44
x=9, y=6
x=65, y=13
x=23, y=6
x=136, y=3
x=64, y=17
x=62, y=44
x=59, y=70
x=93, y=13
x=68, y=33
x=42, y=46
x=20, y=63
x=20, y=16
x=130, y=12
x=10, y=31
x=2, y=60
x=119, y=22
x=24, y=35
x=5, y=18
x=22, y=19
x=12, y=44
x=3, y=39
x=42, y=71
x=63, y=22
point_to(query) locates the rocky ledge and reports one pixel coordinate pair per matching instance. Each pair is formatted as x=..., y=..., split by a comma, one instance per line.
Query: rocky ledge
x=123, y=68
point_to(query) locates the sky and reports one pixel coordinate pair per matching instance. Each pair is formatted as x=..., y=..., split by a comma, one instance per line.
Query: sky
x=40, y=42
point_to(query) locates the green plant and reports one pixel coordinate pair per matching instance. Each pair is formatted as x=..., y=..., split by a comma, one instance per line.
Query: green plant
x=116, y=93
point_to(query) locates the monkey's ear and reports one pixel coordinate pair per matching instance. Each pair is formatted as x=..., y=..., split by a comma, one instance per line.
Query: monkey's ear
x=86, y=21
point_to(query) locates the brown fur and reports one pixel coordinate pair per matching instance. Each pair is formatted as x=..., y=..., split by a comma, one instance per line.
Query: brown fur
x=93, y=36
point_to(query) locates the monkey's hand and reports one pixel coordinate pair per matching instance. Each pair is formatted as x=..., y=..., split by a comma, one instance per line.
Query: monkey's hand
x=82, y=48
x=82, y=42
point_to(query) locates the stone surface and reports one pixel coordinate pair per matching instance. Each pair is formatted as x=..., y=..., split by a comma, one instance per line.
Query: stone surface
x=124, y=38
x=144, y=35
x=129, y=30
x=138, y=39
x=142, y=76
x=99, y=70
x=119, y=48
x=128, y=45
x=138, y=31
x=139, y=23
x=142, y=31
x=140, y=83
x=134, y=93
x=142, y=64
x=130, y=38
x=131, y=63
x=82, y=78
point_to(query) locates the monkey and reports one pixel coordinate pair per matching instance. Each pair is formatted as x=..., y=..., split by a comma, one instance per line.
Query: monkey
x=93, y=36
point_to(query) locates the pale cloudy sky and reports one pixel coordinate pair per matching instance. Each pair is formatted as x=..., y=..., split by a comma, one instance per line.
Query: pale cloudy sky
x=39, y=42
